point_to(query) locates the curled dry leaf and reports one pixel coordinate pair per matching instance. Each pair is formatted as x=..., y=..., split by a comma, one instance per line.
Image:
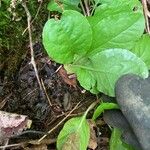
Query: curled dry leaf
x=69, y=79
x=12, y=124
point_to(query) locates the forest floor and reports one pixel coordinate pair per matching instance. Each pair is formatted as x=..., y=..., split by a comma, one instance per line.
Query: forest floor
x=48, y=106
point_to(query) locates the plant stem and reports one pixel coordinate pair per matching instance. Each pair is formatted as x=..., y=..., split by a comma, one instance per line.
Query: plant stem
x=93, y=9
x=91, y=107
x=83, y=9
x=87, y=7
x=30, y=42
x=146, y=14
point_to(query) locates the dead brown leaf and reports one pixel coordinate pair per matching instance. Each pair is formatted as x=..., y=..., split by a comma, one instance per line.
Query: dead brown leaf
x=69, y=79
x=12, y=124
x=93, y=139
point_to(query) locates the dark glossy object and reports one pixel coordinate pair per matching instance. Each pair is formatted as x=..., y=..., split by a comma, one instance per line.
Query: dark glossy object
x=133, y=97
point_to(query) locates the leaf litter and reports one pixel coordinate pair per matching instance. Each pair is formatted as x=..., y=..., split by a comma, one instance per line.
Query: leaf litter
x=22, y=95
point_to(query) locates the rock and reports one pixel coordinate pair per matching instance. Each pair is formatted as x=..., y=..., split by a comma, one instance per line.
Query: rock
x=133, y=97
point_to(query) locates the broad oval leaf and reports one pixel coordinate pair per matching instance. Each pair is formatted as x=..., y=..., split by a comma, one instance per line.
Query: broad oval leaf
x=101, y=71
x=64, y=38
x=142, y=49
x=75, y=135
x=116, y=27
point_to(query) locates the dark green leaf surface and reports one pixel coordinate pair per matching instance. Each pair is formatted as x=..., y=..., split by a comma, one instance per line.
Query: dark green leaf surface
x=116, y=142
x=64, y=38
x=142, y=49
x=74, y=135
x=116, y=27
x=101, y=71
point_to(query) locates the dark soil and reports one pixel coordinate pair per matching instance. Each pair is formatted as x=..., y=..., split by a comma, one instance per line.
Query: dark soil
x=21, y=94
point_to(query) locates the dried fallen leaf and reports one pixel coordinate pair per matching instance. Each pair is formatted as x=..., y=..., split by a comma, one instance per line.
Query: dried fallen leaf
x=12, y=124
x=69, y=79
x=93, y=139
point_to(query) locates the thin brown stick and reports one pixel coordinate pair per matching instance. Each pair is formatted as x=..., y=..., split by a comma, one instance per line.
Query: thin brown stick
x=58, y=124
x=30, y=41
x=34, y=142
x=83, y=9
x=87, y=7
x=58, y=68
x=46, y=93
x=146, y=14
x=34, y=17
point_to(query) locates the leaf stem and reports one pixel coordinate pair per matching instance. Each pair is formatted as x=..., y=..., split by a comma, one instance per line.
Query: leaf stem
x=83, y=9
x=87, y=7
x=94, y=7
x=84, y=67
x=146, y=14
x=91, y=107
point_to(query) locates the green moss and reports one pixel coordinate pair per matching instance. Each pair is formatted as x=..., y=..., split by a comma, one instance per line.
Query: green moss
x=12, y=43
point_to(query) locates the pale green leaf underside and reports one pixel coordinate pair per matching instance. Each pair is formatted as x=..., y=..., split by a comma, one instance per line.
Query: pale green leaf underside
x=64, y=38
x=74, y=135
x=142, y=49
x=101, y=71
x=116, y=27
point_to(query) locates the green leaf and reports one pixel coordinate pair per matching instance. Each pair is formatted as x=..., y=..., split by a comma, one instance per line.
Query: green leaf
x=116, y=142
x=53, y=6
x=71, y=4
x=64, y=38
x=118, y=3
x=104, y=106
x=101, y=71
x=60, y=5
x=74, y=135
x=142, y=49
x=115, y=27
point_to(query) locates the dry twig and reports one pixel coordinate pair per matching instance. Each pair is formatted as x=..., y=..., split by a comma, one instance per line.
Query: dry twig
x=33, y=142
x=38, y=10
x=30, y=40
x=50, y=131
x=46, y=93
x=146, y=15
